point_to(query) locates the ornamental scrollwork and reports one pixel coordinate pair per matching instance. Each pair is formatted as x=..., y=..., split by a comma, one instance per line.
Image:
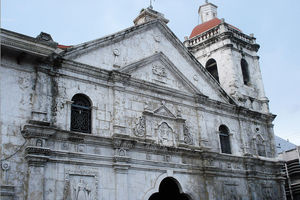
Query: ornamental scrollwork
x=187, y=137
x=121, y=143
x=159, y=71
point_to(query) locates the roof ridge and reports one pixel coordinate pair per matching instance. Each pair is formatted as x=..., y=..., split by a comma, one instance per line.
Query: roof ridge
x=109, y=36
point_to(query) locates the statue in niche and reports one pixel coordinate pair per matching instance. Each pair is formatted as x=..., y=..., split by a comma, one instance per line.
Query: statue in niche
x=268, y=193
x=165, y=134
x=230, y=193
x=140, y=128
x=81, y=191
x=233, y=195
x=39, y=143
x=188, y=139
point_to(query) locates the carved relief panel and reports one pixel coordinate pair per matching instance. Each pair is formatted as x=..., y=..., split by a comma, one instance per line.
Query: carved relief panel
x=166, y=136
x=81, y=185
x=140, y=127
x=230, y=191
x=163, y=127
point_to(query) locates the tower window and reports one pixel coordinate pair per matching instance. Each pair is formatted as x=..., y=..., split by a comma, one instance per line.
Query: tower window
x=245, y=72
x=212, y=68
x=224, y=139
x=81, y=114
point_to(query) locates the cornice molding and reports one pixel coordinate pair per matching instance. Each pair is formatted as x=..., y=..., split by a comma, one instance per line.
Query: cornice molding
x=208, y=160
x=223, y=36
x=25, y=44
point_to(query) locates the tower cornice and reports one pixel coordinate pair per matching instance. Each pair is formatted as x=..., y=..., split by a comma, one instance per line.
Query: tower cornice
x=222, y=32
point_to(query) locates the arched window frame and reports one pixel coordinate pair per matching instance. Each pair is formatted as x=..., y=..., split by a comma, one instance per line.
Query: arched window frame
x=245, y=72
x=225, y=139
x=212, y=67
x=83, y=111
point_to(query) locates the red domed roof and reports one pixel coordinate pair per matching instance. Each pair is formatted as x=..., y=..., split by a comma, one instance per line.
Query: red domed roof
x=63, y=46
x=201, y=28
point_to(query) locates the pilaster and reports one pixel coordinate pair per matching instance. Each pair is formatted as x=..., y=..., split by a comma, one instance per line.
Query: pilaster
x=121, y=166
x=37, y=156
x=68, y=114
x=36, y=179
x=94, y=114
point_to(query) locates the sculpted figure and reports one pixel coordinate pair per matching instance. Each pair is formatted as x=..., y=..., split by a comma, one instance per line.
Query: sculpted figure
x=82, y=191
x=165, y=134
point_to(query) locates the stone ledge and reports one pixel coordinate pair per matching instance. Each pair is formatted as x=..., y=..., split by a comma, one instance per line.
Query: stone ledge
x=7, y=192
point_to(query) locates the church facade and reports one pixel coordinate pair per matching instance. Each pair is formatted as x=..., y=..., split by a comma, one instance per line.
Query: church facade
x=137, y=115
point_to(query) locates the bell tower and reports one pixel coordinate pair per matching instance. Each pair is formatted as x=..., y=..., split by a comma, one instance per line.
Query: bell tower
x=230, y=56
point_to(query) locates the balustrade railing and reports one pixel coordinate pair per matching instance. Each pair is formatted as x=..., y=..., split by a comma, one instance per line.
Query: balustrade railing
x=241, y=35
x=204, y=36
x=218, y=30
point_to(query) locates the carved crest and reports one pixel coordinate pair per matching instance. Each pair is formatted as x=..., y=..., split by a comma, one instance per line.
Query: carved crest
x=159, y=70
x=187, y=137
x=165, y=134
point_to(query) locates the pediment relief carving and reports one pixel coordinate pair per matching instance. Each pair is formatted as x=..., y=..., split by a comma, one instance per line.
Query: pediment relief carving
x=163, y=127
x=80, y=185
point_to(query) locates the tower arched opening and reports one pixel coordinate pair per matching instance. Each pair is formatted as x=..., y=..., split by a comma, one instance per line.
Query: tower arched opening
x=212, y=68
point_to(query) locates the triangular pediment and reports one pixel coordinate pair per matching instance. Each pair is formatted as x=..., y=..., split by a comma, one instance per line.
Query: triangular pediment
x=158, y=69
x=164, y=111
x=132, y=51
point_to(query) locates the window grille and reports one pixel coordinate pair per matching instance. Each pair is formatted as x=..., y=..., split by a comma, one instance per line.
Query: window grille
x=81, y=114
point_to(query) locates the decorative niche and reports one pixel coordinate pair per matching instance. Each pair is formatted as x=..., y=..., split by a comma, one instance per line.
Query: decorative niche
x=163, y=127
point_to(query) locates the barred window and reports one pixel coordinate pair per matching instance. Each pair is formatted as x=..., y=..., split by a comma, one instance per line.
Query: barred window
x=81, y=114
x=224, y=139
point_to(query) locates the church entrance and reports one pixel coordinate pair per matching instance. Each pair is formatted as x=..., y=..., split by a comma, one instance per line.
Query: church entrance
x=168, y=189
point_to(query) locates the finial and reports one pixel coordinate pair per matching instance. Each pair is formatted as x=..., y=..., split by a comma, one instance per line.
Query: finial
x=151, y=6
x=206, y=1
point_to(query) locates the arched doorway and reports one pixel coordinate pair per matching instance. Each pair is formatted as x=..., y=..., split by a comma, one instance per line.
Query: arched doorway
x=169, y=189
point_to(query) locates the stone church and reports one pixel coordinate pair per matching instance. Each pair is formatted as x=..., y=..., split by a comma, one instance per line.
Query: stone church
x=137, y=115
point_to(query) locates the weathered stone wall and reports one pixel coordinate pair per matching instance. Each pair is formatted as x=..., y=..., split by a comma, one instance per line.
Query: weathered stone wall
x=16, y=92
x=136, y=46
x=149, y=121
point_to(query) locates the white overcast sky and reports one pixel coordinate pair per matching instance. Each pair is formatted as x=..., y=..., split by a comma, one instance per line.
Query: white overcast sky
x=275, y=24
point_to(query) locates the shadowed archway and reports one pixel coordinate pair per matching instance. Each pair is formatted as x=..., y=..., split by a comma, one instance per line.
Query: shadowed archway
x=169, y=189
